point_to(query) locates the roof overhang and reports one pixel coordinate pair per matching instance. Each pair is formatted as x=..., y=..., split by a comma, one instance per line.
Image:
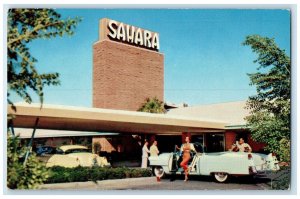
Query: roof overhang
x=46, y=133
x=107, y=120
x=237, y=127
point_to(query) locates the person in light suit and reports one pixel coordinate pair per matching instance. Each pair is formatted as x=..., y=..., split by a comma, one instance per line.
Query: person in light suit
x=145, y=155
x=154, y=150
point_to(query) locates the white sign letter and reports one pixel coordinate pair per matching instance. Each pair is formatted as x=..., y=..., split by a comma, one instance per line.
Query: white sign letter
x=130, y=33
x=121, y=32
x=155, y=41
x=113, y=32
x=138, y=37
x=147, y=37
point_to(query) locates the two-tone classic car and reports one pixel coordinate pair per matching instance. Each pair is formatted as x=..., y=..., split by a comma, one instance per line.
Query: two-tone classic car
x=75, y=155
x=220, y=164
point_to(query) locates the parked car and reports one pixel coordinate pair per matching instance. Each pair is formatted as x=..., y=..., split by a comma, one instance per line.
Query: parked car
x=75, y=155
x=43, y=150
x=220, y=164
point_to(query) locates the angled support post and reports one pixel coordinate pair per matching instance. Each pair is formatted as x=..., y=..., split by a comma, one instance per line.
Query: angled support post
x=31, y=141
x=11, y=125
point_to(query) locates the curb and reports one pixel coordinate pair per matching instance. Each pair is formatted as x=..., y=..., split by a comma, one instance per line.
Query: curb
x=93, y=185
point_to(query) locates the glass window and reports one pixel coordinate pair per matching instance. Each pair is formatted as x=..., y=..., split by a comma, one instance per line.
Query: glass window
x=215, y=142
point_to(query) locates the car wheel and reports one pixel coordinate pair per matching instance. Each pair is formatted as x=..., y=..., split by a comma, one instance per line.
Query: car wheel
x=159, y=171
x=221, y=177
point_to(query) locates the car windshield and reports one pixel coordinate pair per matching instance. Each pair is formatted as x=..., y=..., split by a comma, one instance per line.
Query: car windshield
x=199, y=148
x=45, y=150
x=76, y=151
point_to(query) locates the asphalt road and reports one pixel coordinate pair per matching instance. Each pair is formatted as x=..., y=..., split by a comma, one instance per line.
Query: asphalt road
x=150, y=183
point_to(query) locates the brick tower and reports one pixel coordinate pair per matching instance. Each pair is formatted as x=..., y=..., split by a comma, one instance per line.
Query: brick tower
x=127, y=67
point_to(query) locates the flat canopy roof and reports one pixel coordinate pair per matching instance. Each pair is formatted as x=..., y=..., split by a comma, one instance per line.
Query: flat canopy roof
x=106, y=120
x=46, y=133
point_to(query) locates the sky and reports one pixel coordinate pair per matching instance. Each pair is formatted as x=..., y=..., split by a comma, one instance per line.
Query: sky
x=205, y=61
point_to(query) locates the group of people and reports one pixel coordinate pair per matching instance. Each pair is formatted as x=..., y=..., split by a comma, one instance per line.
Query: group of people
x=153, y=152
x=186, y=149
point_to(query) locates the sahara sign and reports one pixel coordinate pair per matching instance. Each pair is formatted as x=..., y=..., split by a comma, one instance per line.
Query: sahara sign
x=121, y=32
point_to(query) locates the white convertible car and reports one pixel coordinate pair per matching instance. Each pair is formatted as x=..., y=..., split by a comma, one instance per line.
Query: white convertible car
x=220, y=165
x=75, y=155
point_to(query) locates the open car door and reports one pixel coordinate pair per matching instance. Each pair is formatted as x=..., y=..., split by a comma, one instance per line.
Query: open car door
x=173, y=164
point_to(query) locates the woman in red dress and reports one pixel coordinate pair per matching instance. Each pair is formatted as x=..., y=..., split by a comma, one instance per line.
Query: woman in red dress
x=186, y=149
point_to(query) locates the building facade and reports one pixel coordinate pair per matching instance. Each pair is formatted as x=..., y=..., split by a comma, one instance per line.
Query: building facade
x=127, y=69
x=125, y=73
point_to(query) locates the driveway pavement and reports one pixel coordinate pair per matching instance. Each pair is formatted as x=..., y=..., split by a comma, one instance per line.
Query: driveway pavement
x=150, y=183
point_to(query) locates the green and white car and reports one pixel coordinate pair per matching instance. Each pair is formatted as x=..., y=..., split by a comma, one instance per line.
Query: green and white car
x=220, y=164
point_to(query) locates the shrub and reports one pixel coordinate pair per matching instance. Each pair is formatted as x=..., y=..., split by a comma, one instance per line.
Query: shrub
x=146, y=172
x=127, y=173
x=19, y=176
x=281, y=180
x=285, y=150
x=58, y=175
x=80, y=174
x=98, y=174
x=117, y=173
x=136, y=173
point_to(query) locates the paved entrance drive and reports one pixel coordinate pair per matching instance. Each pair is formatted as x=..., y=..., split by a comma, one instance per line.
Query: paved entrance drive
x=150, y=183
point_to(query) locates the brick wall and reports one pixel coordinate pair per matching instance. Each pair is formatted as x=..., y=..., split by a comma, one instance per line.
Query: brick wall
x=230, y=138
x=124, y=144
x=124, y=75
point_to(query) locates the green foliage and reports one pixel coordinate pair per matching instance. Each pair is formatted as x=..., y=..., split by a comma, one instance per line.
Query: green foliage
x=23, y=26
x=281, y=180
x=270, y=107
x=21, y=176
x=117, y=173
x=285, y=152
x=80, y=174
x=153, y=105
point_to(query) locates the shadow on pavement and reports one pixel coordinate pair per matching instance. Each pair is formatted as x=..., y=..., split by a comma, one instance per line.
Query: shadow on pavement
x=232, y=179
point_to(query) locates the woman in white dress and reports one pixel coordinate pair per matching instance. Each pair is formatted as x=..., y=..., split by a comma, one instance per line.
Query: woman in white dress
x=145, y=151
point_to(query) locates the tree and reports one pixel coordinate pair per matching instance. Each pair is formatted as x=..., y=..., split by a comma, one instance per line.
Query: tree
x=153, y=105
x=270, y=108
x=23, y=26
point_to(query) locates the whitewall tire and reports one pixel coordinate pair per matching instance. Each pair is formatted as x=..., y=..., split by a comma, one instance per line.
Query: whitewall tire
x=221, y=177
x=159, y=171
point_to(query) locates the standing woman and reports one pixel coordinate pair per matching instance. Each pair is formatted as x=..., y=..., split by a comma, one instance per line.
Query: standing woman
x=186, y=149
x=145, y=151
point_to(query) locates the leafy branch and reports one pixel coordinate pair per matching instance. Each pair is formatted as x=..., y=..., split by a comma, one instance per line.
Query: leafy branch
x=25, y=25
